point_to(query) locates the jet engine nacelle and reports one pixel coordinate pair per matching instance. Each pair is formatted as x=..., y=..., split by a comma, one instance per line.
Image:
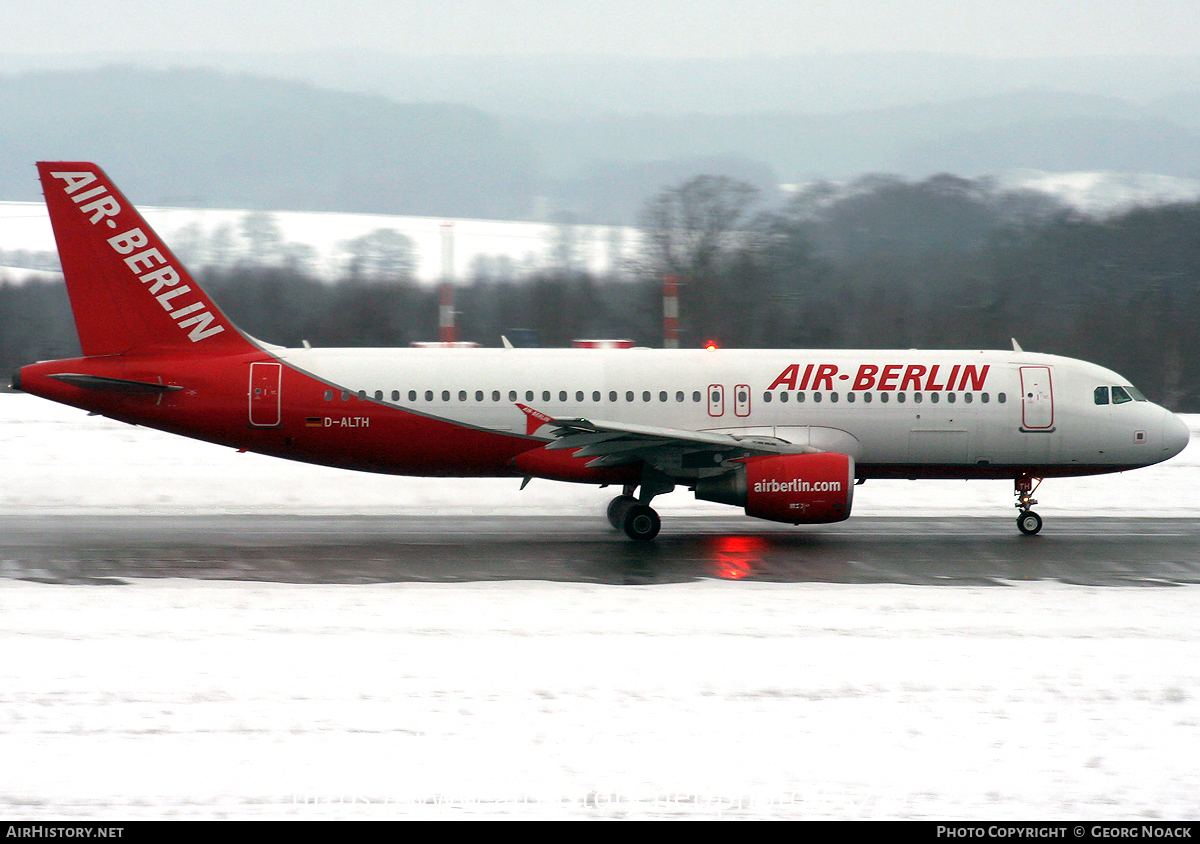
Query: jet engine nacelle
x=795, y=488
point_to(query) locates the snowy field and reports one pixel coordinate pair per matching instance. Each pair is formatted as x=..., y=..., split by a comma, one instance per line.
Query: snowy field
x=193, y=232
x=190, y=232
x=185, y=698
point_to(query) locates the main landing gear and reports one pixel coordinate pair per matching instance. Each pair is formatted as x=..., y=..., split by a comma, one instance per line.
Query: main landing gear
x=638, y=520
x=1028, y=522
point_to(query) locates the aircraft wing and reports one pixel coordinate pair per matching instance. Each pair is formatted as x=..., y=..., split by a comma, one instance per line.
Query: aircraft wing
x=673, y=451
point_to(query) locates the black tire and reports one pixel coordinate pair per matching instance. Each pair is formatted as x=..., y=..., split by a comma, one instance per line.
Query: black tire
x=1029, y=523
x=617, y=508
x=641, y=523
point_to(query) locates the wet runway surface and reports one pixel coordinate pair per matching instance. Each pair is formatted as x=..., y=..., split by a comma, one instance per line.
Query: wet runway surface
x=366, y=549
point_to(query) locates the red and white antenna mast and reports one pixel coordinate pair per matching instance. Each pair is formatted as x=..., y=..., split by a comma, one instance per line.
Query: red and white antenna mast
x=670, y=312
x=446, y=327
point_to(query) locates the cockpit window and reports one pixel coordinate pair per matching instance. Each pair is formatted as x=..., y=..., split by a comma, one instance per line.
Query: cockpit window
x=1119, y=395
x=1101, y=395
x=1133, y=391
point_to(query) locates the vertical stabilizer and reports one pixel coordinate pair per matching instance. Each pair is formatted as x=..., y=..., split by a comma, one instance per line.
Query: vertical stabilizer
x=128, y=292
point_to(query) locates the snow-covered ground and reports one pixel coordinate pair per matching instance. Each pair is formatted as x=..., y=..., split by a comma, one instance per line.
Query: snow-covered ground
x=191, y=232
x=1104, y=193
x=177, y=698
x=320, y=238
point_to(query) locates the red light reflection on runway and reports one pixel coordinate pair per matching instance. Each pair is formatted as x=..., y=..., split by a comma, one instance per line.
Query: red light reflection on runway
x=736, y=557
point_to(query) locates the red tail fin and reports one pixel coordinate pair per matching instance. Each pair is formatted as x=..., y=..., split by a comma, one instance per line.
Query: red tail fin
x=128, y=292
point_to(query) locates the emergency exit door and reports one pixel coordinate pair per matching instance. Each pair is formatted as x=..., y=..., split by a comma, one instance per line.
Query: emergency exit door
x=264, y=394
x=716, y=400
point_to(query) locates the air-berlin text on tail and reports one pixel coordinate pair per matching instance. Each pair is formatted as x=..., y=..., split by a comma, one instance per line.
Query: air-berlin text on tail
x=893, y=376
x=162, y=278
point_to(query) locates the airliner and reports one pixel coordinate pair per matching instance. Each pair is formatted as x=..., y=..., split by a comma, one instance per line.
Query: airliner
x=783, y=434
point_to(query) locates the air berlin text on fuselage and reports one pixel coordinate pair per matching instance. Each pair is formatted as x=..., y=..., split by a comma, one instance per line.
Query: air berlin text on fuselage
x=162, y=277
x=797, y=485
x=892, y=376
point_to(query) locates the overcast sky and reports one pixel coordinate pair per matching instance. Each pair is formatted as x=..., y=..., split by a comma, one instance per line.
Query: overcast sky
x=667, y=28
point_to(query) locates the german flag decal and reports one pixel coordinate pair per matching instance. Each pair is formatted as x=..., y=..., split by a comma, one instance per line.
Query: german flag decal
x=313, y=422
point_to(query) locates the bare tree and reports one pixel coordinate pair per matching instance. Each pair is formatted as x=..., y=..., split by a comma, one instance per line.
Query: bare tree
x=263, y=236
x=381, y=255
x=690, y=231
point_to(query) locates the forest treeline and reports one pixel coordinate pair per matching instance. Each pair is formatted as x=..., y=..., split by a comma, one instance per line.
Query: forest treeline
x=882, y=263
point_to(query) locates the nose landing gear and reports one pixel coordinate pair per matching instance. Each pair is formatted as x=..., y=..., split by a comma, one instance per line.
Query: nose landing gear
x=1028, y=522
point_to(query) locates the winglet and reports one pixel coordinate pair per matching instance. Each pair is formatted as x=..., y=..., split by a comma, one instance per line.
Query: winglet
x=1016, y=345
x=534, y=419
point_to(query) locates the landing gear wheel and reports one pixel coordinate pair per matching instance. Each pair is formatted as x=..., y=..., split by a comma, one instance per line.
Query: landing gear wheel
x=641, y=523
x=1029, y=523
x=617, y=508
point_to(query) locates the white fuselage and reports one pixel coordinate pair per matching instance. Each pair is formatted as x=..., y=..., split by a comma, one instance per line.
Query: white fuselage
x=902, y=413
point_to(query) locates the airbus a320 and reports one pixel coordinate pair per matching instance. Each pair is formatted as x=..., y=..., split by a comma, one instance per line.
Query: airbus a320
x=783, y=434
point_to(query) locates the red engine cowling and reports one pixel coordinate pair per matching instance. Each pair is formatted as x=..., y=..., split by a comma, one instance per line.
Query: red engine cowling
x=794, y=488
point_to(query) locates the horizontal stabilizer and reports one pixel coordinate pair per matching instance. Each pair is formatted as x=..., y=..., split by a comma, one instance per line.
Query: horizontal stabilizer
x=114, y=385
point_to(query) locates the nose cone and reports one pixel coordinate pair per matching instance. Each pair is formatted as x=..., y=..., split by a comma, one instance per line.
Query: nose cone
x=1175, y=436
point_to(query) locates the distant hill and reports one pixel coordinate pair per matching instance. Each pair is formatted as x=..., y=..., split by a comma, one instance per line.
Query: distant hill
x=1041, y=130
x=214, y=139
x=218, y=139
